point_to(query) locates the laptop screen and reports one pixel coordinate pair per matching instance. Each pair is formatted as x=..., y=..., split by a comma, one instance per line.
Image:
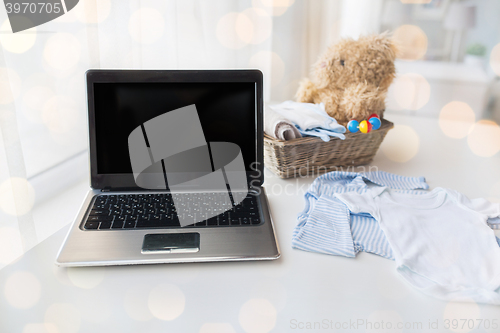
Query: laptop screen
x=227, y=112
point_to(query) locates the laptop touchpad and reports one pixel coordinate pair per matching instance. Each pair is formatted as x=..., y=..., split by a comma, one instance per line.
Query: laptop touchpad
x=171, y=243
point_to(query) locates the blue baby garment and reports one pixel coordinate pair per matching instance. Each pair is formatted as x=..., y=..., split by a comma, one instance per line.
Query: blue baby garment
x=326, y=225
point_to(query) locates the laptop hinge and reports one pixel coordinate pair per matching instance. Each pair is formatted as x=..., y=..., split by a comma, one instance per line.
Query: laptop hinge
x=106, y=189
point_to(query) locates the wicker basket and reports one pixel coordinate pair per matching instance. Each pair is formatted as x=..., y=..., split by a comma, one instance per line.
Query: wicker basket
x=311, y=155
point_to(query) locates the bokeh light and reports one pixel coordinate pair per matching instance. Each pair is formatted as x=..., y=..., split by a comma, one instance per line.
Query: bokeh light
x=11, y=246
x=166, y=302
x=244, y=28
x=64, y=316
x=456, y=119
x=22, y=290
x=457, y=311
x=411, y=91
x=257, y=315
x=412, y=41
x=10, y=85
x=60, y=114
x=495, y=59
x=226, y=30
x=484, y=138
x=403, y=92
x=92, y=11
x=62, y=51
x=273, y=7
x=217, y=328
x=86, y=277
x=146, y=25
x=271, y=65
x=253, y=26
x=17, y=196
x=19, y=42
x=401, y=144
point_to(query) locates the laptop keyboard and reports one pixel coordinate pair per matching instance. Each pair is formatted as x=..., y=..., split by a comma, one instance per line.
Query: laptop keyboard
x=136, y=211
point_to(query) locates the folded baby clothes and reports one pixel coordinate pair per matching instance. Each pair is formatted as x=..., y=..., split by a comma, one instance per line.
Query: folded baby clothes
x=310, y=119
x=326, y=225
x=321, y=133
x=278, y=126
x=441, y=240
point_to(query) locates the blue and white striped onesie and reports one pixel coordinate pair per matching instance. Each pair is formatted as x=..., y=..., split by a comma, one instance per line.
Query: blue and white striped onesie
x=327, y=226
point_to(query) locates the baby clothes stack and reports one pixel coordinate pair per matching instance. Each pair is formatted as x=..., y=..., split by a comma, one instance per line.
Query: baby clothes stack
x=442, y=242
x=278, y=126
x=309, y=119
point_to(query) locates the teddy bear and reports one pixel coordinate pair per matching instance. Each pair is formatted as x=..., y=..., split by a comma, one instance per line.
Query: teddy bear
x=352, y=78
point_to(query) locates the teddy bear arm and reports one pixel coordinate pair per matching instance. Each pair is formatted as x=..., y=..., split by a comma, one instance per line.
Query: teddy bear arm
x=307, y=92
x=331, y=99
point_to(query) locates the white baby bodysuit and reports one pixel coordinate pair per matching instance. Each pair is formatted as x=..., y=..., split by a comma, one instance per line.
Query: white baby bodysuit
x=441, y=241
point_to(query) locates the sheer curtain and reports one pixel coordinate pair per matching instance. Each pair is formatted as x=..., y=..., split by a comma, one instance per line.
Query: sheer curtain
x=43, y=121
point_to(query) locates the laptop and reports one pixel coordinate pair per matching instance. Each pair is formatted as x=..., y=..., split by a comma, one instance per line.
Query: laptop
x=172, y=217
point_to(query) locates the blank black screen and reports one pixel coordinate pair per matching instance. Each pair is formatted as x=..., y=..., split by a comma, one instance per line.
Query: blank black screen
x=227, y=112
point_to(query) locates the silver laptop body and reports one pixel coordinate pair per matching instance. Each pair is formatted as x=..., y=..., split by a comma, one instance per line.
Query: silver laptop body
x=124, y=98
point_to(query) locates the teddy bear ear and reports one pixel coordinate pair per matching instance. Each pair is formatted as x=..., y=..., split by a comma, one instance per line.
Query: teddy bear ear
x=389, y=44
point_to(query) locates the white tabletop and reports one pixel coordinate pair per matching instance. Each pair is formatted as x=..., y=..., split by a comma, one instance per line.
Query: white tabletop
x=297, y=290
